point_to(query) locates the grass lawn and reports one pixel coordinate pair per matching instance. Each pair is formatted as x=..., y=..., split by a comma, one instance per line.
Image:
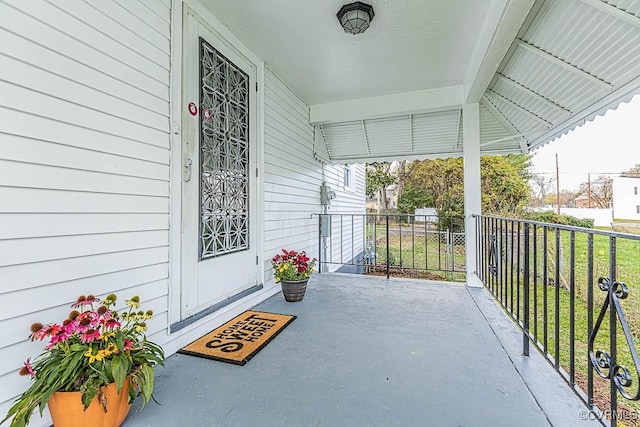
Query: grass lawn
x=416, y=247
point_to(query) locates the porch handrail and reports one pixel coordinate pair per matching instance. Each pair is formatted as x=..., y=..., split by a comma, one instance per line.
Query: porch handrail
x=391, y=242
x=518, y=262
x=594, y=231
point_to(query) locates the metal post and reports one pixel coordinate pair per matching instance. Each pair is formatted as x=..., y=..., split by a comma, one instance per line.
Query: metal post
x=535, y=283
x=387, y=227
x=572, y=307
x=589, y=314
x=545, y=285
x=612, y=333
x=556, y=312
x=320, y=243
x=525, y=323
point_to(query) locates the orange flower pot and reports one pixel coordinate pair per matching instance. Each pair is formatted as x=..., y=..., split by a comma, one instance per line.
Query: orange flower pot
x=67, y=411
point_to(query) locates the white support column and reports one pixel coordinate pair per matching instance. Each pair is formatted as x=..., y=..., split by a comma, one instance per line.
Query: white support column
x=472, y=200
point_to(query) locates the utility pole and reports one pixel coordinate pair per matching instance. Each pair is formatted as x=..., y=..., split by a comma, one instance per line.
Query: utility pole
x=589, y=190
x=557, y=185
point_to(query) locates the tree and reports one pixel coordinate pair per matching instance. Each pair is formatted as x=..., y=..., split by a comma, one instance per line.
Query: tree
x=379, y=177
x=567, y=198
x=403, y=171
x=540, y=187
x=601, y=191
x=504, y=183
x=413, y=197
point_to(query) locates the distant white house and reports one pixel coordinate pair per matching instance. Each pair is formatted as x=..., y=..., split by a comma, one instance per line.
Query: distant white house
x=626, y=197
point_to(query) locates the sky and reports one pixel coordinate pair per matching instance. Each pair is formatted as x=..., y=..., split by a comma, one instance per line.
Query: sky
x=609, y=144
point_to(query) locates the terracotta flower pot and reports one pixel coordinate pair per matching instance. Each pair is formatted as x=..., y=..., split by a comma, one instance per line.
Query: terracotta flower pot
x=294, y=290
x=67, y=411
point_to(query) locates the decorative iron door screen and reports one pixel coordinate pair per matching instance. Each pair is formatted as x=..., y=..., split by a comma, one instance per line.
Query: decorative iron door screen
x=224, y=155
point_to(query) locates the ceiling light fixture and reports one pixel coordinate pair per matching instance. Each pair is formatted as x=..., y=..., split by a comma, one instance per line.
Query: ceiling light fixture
x=355, y=17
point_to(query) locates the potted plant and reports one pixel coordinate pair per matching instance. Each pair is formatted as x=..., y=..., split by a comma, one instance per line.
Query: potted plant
x=292, y=270
x=96, y=359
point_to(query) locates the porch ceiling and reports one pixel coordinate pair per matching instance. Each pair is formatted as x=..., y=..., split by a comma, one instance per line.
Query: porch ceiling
x=411, y=44
x=538, y=68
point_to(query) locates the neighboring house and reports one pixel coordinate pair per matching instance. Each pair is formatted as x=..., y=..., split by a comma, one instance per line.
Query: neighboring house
x=375, y=204
x=626, y=197
x=582, y=201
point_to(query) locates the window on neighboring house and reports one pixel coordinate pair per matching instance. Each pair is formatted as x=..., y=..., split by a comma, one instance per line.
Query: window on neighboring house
x=635, y=190
x=347, y=177
x=637, y=209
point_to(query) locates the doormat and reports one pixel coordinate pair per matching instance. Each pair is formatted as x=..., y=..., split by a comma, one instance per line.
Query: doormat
x=238, y=340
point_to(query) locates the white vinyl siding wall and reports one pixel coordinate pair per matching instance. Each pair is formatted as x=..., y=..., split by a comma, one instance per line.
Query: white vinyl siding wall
x=347, y=231
x=292, y=177
x=85, y=169
x=84, y=163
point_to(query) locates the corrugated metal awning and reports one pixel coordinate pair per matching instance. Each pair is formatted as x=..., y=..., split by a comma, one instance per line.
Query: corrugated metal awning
x=571, y=61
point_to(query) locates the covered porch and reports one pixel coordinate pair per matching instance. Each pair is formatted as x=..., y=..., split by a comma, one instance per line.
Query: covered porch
x=370, y=351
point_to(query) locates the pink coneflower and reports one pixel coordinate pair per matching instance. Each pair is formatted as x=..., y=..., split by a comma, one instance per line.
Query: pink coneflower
x=87, y=320
x=37, y=331
x=61, y=336
x=89, y=336
x=69, y=326
x=104, y=312
x=52, y=329
x=110, y=324
x=128, y=345
x=27, y=369
x=79, y=302
x=91, y=299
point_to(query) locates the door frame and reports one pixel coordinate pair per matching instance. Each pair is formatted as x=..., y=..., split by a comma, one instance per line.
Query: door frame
x=180, y=10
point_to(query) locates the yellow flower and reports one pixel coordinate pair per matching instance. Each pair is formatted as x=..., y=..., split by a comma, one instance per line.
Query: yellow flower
x=277, y=279
x=141, y=327
x=133, y=302
x=107, y=335
x=95, y=357
x=111, y=349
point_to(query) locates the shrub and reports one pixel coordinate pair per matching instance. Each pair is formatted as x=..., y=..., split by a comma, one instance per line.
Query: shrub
x=554, y=218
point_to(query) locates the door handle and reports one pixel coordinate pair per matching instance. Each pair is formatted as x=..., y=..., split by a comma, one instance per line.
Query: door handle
x=187, y=169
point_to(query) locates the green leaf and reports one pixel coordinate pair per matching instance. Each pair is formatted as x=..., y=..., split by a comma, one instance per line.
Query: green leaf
x=146, y=388
x=119, y=369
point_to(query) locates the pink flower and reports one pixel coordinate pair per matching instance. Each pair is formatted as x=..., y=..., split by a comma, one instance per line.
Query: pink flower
x=38, y=331
x=79, y=302
x=110, y=324
x=87, y=320
x=128, y=345
x=52, y=329
x=89, y=336
x=69, y=326
x=61, y=336
x=27, y=369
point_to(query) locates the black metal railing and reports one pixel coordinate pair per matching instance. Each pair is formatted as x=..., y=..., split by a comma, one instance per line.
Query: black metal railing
x=392, y=244
x=543, y=276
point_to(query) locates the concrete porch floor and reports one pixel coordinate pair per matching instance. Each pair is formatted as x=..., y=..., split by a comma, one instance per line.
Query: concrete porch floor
x=365, y=351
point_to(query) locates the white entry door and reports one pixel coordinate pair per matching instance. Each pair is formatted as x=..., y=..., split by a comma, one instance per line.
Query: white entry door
x=219, y=155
